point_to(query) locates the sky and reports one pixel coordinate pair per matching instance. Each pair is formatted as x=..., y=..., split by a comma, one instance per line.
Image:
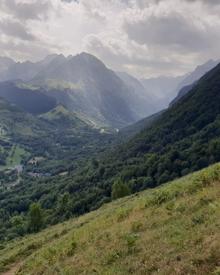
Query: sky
x=146, y=38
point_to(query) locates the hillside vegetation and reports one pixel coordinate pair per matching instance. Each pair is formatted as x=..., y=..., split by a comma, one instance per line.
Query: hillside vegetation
x=181, y=140
x=173, y=229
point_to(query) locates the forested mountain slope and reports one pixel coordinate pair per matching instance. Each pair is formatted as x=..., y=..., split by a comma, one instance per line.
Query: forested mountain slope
x=192, y=78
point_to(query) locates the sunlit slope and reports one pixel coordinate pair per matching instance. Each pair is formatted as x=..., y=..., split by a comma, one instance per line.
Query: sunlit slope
x=173, y=229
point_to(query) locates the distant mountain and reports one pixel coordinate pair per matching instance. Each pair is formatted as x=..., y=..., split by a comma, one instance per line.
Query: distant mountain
x=187, y=84
x=163, y=89
x=167, y=89
x=30, y=100
x=141, y=99
x=84, y=85
x=197, y=73
x=184, y=91
x=24, y=70
x=5, y=63
x=90, y=88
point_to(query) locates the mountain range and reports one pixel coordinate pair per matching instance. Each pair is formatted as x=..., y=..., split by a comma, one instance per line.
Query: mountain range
x=81, y=83
x=170, y=89
x=84, y=85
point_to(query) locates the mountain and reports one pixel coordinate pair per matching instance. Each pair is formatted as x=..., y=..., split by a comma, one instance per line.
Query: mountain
x=167, y=90
x=30, y=100
x=84, y=85
x=24, y=70
x=90, y=88
x=140, y=97
x=66, y=119
x=137, y=127
x=163, y=89
x=172, y=230
x=5, y=63
x=184, y=91
x=199, y=71
x=185, y=86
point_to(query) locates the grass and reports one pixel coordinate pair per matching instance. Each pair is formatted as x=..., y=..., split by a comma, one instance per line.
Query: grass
x=15, y=157
x=174, y=229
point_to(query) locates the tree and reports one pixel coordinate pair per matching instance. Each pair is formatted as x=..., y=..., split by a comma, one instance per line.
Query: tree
x=35, y=217
x=120, y=189
x=19, y=225
x=214, y=149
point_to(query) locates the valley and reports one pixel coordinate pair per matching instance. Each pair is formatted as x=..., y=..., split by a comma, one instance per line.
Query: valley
x=109, y=137
x=64, y=156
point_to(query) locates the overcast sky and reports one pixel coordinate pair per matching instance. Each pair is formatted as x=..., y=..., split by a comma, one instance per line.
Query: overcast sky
x=144, y=37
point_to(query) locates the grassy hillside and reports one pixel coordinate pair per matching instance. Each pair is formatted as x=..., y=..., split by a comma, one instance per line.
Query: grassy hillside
x=173, y=229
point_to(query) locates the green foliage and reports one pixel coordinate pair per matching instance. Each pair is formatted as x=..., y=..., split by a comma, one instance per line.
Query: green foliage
x=72, y=248
x=180, y=225
x=35, y=217
x=120, y=189
x=131, y=240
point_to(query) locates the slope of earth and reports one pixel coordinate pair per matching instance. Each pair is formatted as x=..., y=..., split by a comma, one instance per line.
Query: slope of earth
x=26, y=98
x=192, y=78
x=173, y=229
x=83, y=84
x=142, y=124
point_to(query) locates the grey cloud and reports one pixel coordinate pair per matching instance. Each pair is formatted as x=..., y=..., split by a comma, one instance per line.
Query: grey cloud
x=69, y=1
x=16, y=30
x=24, y=50
x=35, y=10
x=207, y=2
x=173, y=30
x=136, y=64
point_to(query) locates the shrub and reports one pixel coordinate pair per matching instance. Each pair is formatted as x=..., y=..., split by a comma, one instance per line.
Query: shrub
x=120, y=189
x=137, y=226
x=72, y=248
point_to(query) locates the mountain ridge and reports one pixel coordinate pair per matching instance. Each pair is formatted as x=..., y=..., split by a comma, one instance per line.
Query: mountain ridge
x=85, y=85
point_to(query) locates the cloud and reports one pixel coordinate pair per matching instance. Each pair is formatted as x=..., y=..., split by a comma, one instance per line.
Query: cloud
x=209, y=2
x=34, y=10
x=172, y=30
x=143, y=37
x=16, y=30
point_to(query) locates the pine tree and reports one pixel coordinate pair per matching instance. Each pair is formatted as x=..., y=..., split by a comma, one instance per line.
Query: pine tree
x=35, y=217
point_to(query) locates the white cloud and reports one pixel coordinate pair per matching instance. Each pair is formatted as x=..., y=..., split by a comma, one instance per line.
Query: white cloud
x=143, y=37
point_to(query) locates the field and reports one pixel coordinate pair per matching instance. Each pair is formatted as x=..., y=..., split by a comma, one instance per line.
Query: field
x=14, y=158
x=173, y=229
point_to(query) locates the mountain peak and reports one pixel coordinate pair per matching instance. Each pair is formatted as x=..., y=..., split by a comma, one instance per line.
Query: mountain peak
x=87, y=57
